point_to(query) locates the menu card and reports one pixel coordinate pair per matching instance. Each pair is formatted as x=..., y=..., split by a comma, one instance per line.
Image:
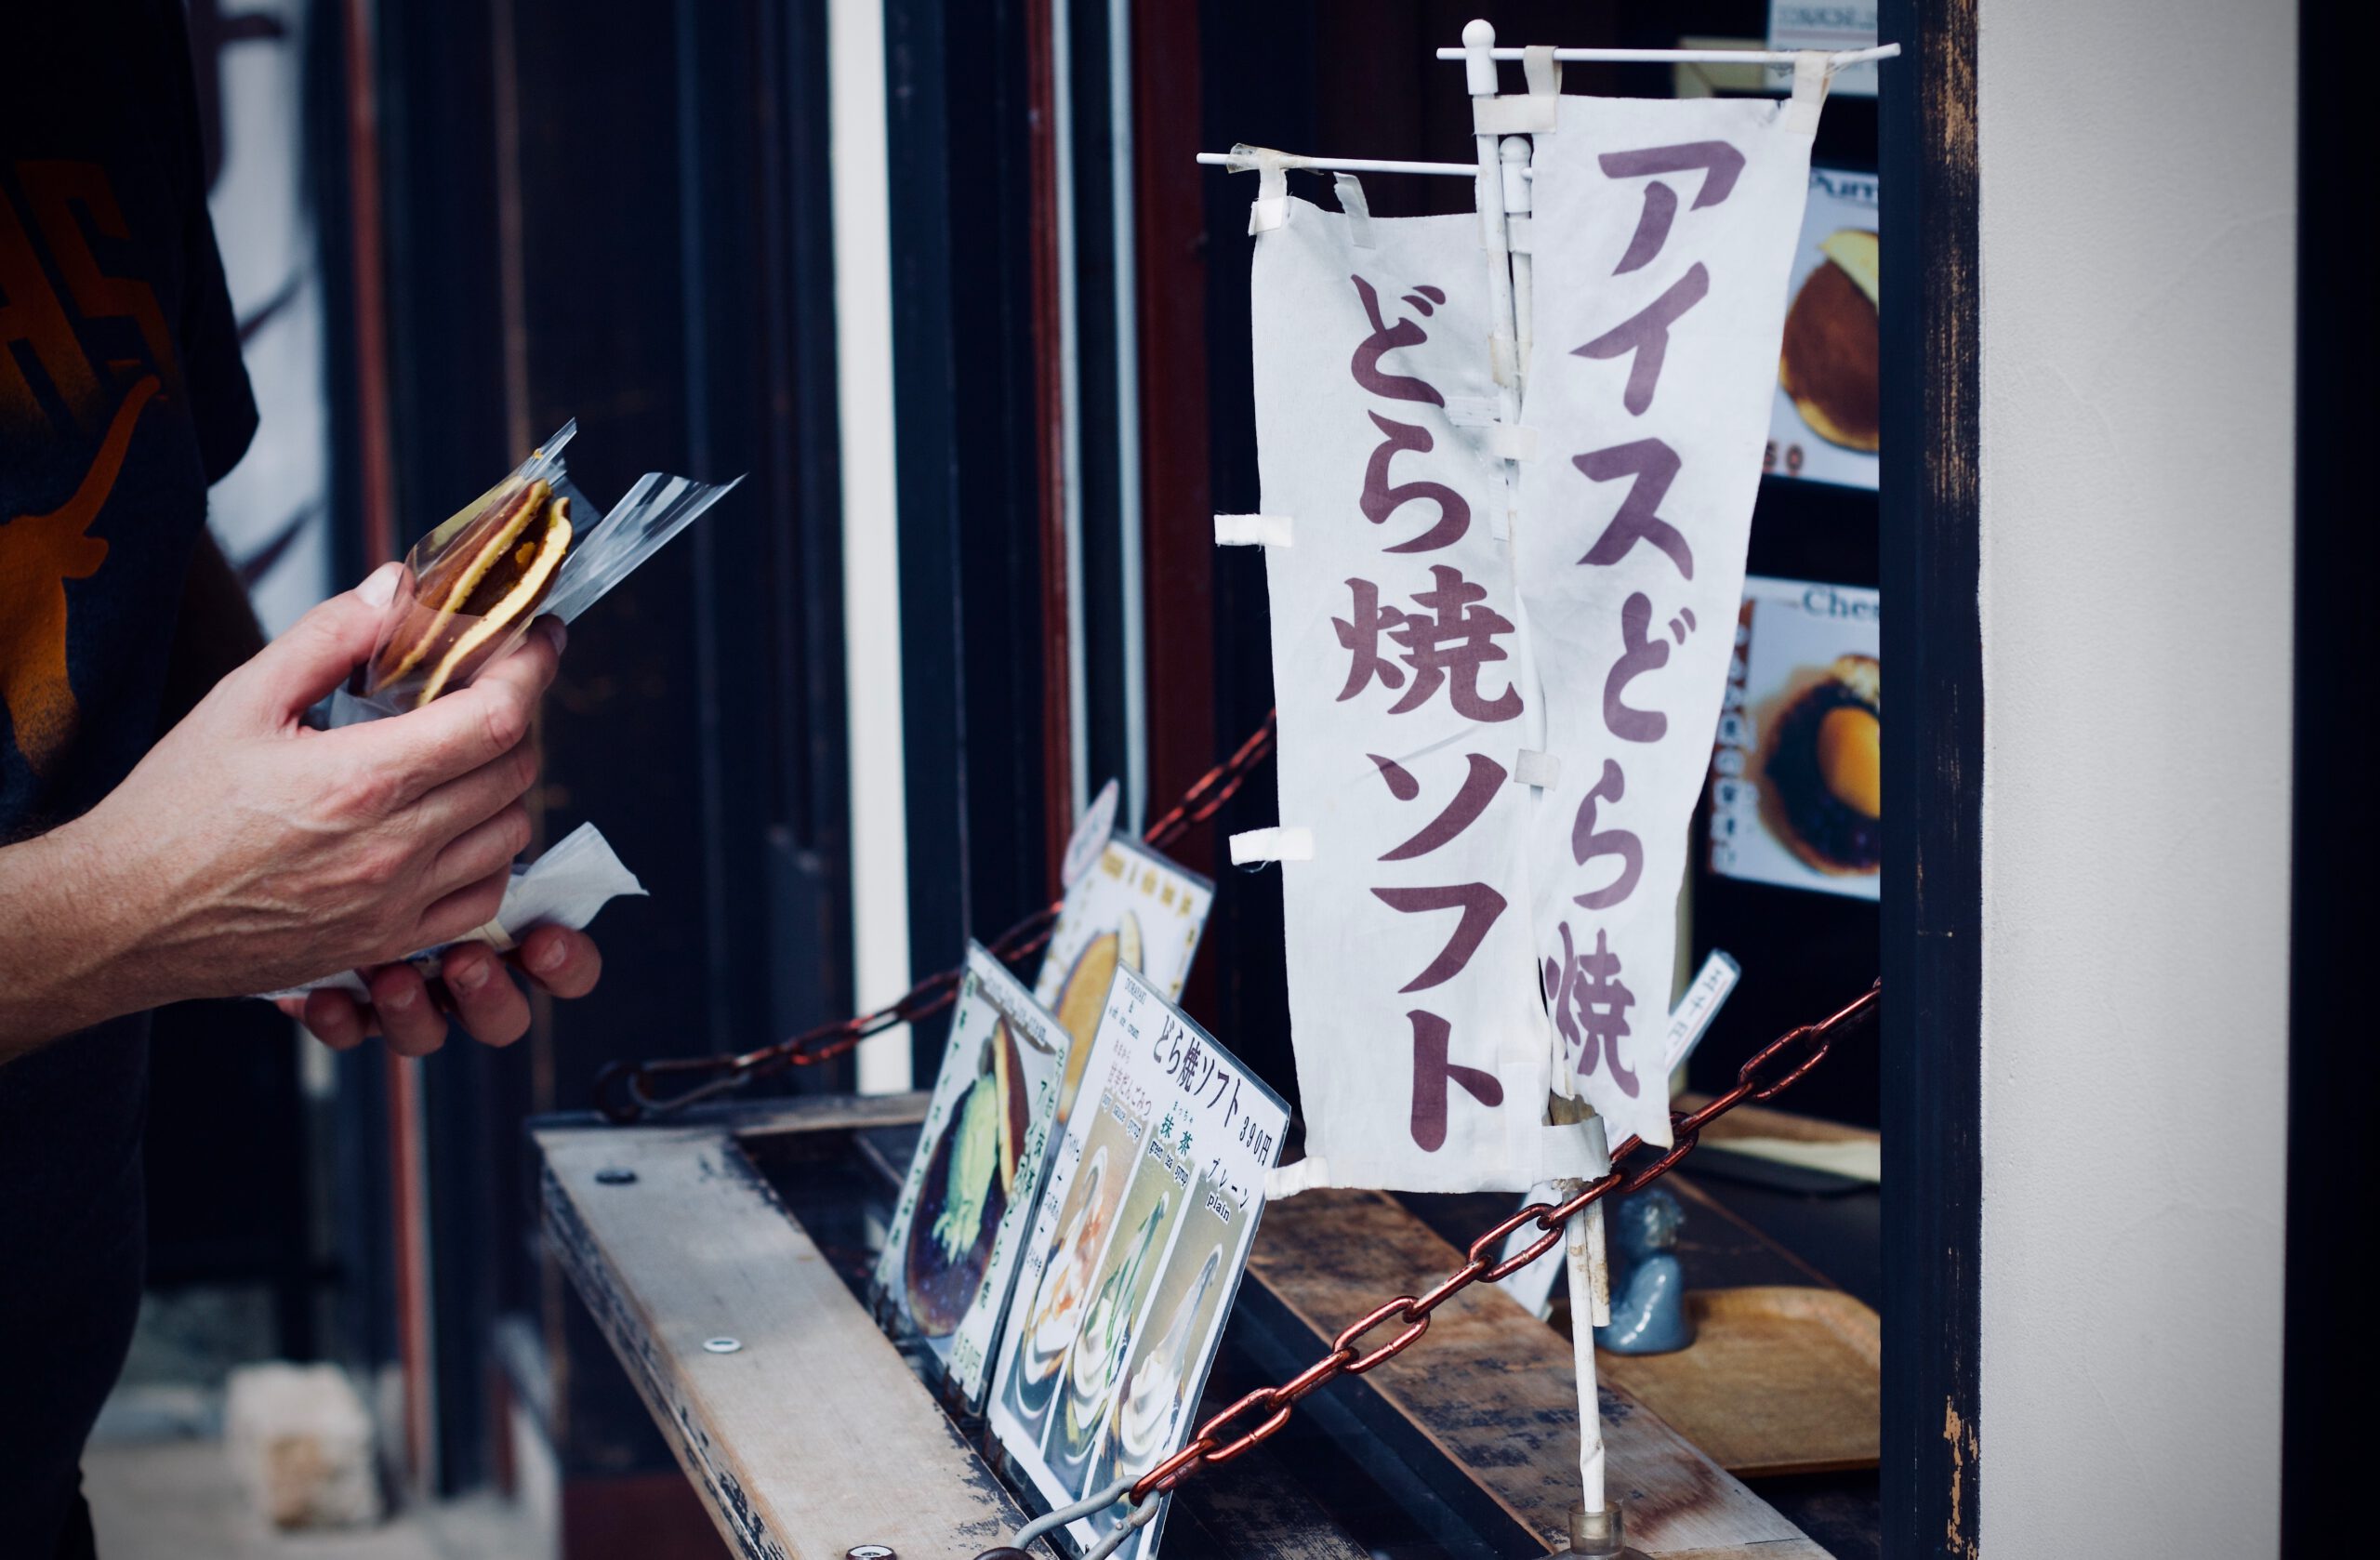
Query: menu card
x=1134, y=909
x=973, y=1182
x=1129, y=1275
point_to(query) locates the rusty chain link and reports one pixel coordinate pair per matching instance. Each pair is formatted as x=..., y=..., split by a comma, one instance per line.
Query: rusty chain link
x=623, y=1091
x=1775, y=1067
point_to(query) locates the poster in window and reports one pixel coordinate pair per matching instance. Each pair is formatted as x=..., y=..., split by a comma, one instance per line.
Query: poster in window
x=1795, y=775
x=1824, y=427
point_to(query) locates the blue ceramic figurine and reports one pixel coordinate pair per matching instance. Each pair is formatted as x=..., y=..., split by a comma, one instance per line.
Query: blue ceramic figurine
x=1648, y=1283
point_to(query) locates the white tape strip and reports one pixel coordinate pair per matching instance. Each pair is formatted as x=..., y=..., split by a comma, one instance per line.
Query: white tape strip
x=1511, y=115
x=1507, y=443
x=1812, y=73
x=1253, y=530
x=1532, y=768
x=1520, y=233
x=1272, y=208
x=1299, y=1175
x=1542, y=72
x=1472, y=411
x=1358, y=211
x=1272, y=844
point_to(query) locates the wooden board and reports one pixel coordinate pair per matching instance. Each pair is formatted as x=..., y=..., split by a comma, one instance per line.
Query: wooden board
x=1485, y=1409
x=813, y=1436
x=1777, y=1381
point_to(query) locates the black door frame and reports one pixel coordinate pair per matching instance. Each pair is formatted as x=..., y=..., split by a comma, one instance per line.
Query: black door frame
x=1933, y=900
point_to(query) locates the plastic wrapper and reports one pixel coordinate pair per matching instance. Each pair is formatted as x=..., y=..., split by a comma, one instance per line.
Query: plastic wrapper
x=531, y=546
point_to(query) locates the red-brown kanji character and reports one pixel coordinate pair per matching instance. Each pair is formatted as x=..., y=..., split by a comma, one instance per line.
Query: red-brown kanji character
x=1453, y=638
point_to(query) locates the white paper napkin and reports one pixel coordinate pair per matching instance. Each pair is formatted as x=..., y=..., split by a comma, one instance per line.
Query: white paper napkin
x=566, y=886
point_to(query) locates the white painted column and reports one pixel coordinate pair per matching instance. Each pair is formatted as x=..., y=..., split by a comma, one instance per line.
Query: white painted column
x=2139, y=189
x=860, y=159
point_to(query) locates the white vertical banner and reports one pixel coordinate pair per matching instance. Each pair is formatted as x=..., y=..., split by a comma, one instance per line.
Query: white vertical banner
x=1664, y=231
x=1406, y=708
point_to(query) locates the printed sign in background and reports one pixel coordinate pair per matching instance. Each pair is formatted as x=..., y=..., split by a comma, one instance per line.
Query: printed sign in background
x=1794, y=775
x=1673, y=226
x=1135, y=910
x=1828, y=25
x=1143, y=1232
x=1823, y=427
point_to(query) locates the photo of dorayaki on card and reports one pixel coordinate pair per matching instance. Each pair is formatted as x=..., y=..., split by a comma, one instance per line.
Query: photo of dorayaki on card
x=531, y=544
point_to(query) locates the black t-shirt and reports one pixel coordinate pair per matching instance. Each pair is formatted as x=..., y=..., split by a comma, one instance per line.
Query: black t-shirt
x=121, y=399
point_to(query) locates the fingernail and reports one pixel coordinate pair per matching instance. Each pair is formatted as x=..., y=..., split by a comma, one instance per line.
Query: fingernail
x=400, y=999
x=468, y=975
x=555, y=633
x=548, y=956
x=379, y=586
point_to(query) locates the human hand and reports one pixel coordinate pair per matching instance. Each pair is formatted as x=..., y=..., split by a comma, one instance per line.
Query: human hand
x=479, y=989
x=247, y=852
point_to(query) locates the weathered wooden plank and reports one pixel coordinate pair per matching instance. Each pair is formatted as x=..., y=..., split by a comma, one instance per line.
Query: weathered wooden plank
x=1779, y=1379
x=1254, y=1509
x=813, y=1436
x=1490, y=1396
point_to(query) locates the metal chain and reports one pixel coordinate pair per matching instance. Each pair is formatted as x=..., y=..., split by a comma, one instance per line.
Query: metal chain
x=1775, y=1067
x=623, y=1091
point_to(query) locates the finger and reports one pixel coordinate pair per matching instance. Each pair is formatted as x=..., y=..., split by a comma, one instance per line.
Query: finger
x=486, y=1001
x=465, y=910
x=334, y=1018
x=565, y=963
x=446, y=810
x=451, y=737
x=318, y=651
x=479, y=851
x=409, y=1018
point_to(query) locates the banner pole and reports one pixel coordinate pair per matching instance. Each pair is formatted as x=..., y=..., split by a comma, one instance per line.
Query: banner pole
x=1479, y=72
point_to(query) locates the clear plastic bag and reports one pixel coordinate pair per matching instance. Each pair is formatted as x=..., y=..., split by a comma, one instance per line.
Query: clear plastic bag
x=530, y=547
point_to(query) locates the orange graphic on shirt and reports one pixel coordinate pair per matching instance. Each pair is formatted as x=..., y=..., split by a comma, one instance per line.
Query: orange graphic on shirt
x=38, y=555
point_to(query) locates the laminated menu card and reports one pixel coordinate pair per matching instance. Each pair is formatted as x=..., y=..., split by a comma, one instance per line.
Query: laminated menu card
x=968, y=1200
x=1142, y=1235
x=1796, y=777
x=1134, y=909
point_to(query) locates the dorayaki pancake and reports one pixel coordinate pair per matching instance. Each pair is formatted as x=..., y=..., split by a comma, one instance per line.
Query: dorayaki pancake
x=459, y=562
x=489, y=580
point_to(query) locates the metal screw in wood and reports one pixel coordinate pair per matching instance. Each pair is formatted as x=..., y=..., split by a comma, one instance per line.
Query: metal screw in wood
x=614, y=1175
x=729, y=1346
x=869, y=1552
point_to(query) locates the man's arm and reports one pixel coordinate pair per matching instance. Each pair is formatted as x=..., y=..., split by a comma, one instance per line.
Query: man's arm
x=247, y=852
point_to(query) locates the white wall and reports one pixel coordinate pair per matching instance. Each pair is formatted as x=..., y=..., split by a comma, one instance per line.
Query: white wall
x=2138, y=176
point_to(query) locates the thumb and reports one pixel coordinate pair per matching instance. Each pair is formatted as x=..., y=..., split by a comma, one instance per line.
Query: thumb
x=318, y=652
